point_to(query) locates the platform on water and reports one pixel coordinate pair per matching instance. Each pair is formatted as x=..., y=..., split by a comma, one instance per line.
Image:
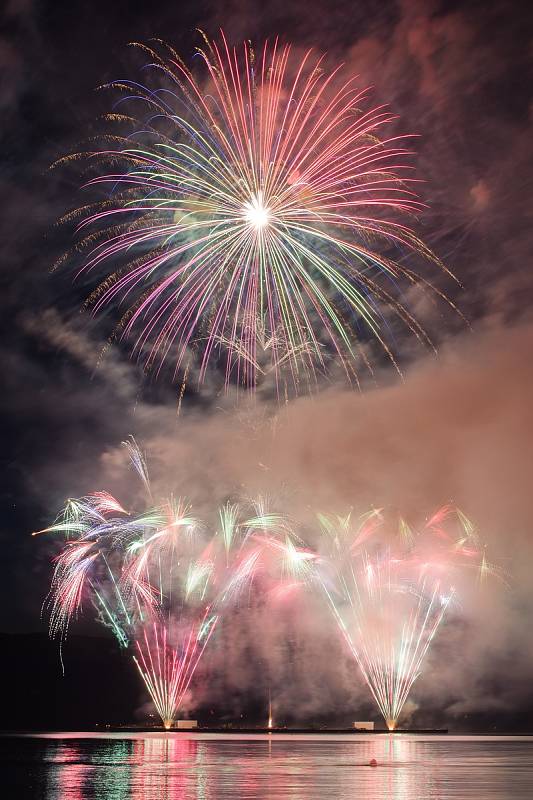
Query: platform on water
x=240, y=730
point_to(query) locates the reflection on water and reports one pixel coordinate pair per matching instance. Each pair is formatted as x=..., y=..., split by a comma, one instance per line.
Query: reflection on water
x=211, y=767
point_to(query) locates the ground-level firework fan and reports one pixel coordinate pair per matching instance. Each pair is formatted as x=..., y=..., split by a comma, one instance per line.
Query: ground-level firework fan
x=160, y=579
x=167, y=669
x=255, y=213
x=389, y=590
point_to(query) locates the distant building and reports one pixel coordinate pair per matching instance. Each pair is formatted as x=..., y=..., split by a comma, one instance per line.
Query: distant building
x=363, y=726
x=186, y=723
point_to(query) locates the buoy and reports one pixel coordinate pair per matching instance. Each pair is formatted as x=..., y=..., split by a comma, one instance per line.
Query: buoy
x=372, y=762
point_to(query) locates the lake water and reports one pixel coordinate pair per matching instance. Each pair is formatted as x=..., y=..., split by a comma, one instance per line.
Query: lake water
x=182, y=766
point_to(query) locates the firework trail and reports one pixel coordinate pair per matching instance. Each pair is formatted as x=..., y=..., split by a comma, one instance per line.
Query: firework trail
x=255, y=215
x=389, y=594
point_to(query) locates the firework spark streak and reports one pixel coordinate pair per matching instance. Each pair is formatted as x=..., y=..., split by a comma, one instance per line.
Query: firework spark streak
x=253, y=216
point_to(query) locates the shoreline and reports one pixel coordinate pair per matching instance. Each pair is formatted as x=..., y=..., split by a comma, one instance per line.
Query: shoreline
x=274, y=731
x=132, y=731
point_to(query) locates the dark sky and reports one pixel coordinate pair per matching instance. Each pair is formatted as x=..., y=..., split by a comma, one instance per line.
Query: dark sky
x=458, y=74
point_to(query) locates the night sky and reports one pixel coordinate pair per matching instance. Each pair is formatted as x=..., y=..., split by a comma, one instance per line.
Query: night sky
x=457, y=428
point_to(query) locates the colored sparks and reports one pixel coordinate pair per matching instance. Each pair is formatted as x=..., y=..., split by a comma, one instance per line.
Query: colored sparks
x=389, y=593
x=254, y=216
x=159, y=580
x=166, y=669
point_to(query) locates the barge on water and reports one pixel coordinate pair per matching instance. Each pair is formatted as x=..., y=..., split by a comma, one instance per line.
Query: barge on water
x=242, y=730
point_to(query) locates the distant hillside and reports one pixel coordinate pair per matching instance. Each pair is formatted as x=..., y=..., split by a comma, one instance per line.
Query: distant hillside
x=100, y=684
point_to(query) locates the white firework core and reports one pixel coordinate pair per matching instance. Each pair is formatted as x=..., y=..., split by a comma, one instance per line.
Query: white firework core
x=256, y=213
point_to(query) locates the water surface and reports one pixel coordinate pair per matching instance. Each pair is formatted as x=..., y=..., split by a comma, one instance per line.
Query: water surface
x=182, y=766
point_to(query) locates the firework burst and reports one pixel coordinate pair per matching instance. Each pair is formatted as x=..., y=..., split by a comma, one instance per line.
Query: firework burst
x=255, y=216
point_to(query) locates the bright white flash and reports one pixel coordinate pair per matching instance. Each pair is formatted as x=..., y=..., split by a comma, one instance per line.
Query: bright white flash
x=255, y=212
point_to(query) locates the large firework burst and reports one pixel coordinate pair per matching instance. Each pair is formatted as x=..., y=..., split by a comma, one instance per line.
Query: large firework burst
x=253, y=217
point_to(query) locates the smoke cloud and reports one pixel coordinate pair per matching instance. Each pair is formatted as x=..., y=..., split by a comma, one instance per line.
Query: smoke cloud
x=455, y=430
